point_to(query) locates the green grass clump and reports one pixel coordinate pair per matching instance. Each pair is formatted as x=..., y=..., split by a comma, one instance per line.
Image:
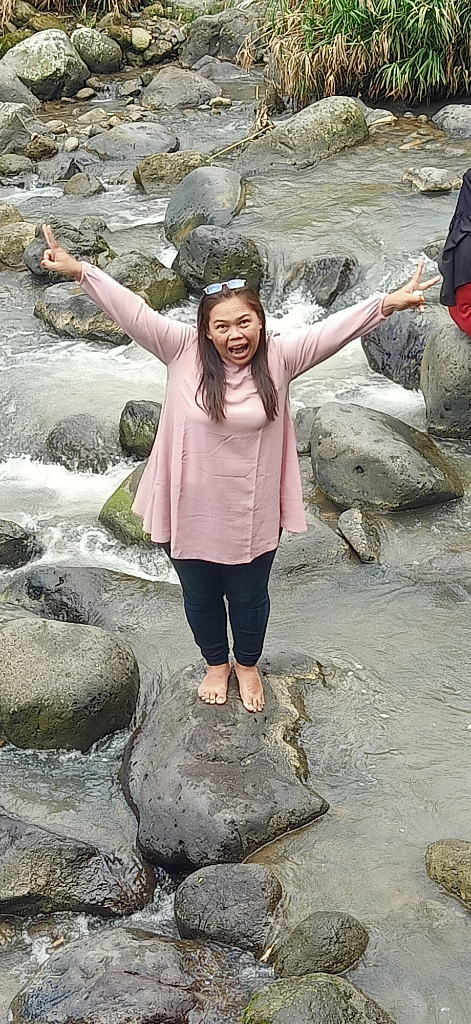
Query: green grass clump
x=402, y=49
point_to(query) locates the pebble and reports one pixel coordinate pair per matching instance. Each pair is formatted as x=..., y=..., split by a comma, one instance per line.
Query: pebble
x=220, y=101
x=85, y=94
x=135, y=115
x=113, y=121
x=57, y=127
x=71, y=144
x=423, y=118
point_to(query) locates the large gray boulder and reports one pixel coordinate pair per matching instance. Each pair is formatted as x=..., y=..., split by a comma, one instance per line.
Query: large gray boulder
x=208, y=195
x=455, y=119
x=101, y=54
x=174, y=87
x=131, y=141
x=125, y=975
x=68, y=311
x=18, y=124
x=325, y=941
x=210, y=254
x=229, y=903
x=41, y=872
x=48, y=64
x=315, y=133
x=211, y=784
x=448, y=862
x=366, y=459
x=84, y=242
x=155, y=173
x=314, y=999
x=63, y=685
x=396, y=346
x=145, y=274
x=220, y=35
x=12, y=90
x=445, y=379
x=82, y=444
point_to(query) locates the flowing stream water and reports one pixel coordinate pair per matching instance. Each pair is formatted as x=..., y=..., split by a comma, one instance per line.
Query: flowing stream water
x=400, y=776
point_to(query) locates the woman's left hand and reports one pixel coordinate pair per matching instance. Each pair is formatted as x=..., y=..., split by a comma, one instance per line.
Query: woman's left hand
x=411, y=295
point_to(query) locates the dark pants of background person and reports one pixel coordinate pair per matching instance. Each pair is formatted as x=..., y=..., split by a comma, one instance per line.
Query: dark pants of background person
x=204, y=586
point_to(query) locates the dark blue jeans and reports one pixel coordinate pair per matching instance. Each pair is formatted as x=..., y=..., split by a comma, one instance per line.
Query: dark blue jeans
x=205, y=584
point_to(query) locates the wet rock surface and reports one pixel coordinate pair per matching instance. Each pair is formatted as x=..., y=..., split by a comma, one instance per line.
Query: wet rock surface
x=158, y=285
x=68, y=311
x=129, y=141
x=84, y=242
x=318, y=131
x=14, y=239
x=12, y=90
x=446, y=381
x=315, y=999
x=64, y=686
x=18, y=124
x=17, y=546
x=432, y=179
x=303, y=423
x=395, y=348
x=129, y=975
x=83, y=184
x=174, y=87
x=138, y=426
x=229, y=903
x=210, y=254
x=362, y=533
x=323, y=278
x=117, y=515
x=82, y=443
x=301, y=554
x=448, y=862
x=208, y=195
x=325, y=941
x=211, y=784
x=41, y=872
x=369, y=460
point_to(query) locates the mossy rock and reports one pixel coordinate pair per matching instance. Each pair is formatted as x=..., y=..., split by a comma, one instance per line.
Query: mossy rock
x=146, y=275
x=325, y=941
x=11, y=39
x=9, y=214
x=314, y=999
x=138, y=426
x=163, y=169
x=448, y=862
x=41, y=22
x=22, y=12
x=117, y=515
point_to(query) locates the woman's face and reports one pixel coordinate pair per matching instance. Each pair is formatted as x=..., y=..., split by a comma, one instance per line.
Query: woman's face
x=234, y=328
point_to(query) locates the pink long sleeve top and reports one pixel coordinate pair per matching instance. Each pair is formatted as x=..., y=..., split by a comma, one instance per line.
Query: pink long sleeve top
x=221, y=491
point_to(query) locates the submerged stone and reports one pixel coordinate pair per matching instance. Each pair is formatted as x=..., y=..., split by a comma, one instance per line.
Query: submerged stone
x=432, y=179
x=62, y=685
x=314, y=999
x=448, y=862
x=83, y=444
x=41, y=872
x=369, y=460
x=325, y=941
x=211, y=784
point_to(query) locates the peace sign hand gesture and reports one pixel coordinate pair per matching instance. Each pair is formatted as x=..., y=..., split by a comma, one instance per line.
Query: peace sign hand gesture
x=55, y=258
x=411, y=295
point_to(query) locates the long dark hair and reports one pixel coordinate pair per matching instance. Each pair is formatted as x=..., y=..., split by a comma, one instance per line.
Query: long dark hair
x=212, y=386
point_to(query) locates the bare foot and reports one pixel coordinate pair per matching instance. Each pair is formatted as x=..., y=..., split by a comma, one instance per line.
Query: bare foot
x=250, y=687
x=213, y=689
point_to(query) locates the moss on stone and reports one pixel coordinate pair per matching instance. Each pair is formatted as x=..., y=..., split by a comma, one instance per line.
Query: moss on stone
x=11, y=39
x=117, y=515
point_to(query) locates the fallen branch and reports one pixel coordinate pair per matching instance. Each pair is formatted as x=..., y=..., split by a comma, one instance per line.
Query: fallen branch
x=249, y=138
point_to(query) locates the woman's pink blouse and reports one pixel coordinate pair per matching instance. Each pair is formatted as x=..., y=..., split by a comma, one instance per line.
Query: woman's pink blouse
x=221, y=491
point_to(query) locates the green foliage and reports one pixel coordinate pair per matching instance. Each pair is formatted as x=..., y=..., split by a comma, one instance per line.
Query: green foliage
x=402, y=49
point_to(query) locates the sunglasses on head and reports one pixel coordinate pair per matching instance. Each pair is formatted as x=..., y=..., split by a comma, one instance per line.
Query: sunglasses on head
x=213, y=289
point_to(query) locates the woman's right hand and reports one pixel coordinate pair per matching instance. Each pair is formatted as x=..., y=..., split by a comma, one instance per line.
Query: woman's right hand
x=55, y=258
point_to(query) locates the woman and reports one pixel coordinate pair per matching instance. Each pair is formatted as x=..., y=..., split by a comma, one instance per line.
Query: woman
x=223, y=477
x=455, y=261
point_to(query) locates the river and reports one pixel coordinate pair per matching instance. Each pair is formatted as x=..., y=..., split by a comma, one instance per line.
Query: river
x=401, y=776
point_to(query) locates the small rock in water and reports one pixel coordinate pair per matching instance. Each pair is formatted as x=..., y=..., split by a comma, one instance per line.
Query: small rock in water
x=14, y=239
x=17, y=546
x=40, y=147
x=396, y=346
x=300, y=555
x=325, y=941
x=82, y=444
x=71, y=313
x=92, y=116
x=315, y=999
x=229, y=903
x=138, y=426
x=432, y=179
x=361, y=533
x=163, y=169
x=208, y=195
x=71, y=144
x=83, y=184
x=85, y=94
x=57, y=127
x=322, y=278
x=455, y=118
x=211, y=253
x=63, y=685
x=117, y=515
x=448, y=862
x=9, y=214
x=13, y=163
x=220, y=101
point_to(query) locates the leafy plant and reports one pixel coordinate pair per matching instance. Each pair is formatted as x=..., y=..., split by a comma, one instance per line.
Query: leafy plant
x=401, y=49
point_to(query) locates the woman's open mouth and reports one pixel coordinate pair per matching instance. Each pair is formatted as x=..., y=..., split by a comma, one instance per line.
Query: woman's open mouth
x=239, y=351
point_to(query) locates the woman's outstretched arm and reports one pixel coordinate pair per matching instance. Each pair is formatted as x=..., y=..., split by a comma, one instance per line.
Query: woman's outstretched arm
x=164, y=337
x=304, y=349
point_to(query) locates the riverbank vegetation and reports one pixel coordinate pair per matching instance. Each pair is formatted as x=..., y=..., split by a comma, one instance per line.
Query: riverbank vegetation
x=410, y=50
